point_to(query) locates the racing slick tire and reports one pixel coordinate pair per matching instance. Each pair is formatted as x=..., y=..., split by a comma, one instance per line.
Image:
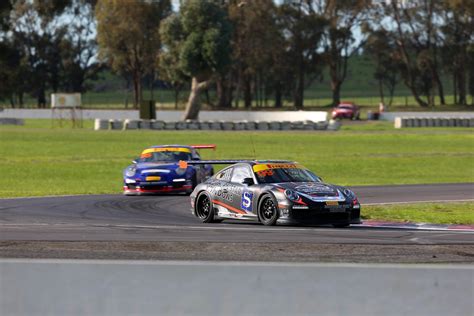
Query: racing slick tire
x=204, y=209
x=267, y=210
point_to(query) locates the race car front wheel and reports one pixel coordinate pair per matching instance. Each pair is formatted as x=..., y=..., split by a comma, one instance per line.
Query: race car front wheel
x=267, y=210
x=204, y=209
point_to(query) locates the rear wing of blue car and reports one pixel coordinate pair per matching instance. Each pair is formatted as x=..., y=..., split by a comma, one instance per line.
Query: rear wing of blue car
x=184, y=164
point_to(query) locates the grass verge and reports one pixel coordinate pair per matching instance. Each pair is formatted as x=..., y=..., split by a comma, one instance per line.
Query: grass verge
x=39, y=160
x=433, y=213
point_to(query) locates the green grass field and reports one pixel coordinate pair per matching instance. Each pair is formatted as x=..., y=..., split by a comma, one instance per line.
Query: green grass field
x=38, y=160
x=439, y=213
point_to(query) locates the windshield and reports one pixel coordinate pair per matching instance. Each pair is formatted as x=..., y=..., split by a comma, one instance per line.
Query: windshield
x=283, y=173
x=165, y=156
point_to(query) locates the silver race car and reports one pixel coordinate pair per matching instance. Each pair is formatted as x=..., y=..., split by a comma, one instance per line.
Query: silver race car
x=273, y=192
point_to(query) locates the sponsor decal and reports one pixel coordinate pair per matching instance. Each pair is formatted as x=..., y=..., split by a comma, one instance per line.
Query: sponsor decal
x=265, y=173
x=260, y=167
x=154, y=150
x=281, y=166
x=153, y=178
x=314, y=188
x=182, y=164
x=228, y=207
x=223, y=190
x=300, y=207
x=246, y=204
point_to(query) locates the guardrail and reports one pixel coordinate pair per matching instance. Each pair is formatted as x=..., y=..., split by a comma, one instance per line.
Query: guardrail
x=11, y=121
x=402, y=122
x=129, y=124
x=170, y=116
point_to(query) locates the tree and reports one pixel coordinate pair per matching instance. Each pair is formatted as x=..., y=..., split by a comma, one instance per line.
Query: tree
x=128, y=36
x=416, y=34
x=343, y=18
x=5, y=50
x=36, y=33
x=304, y=30
x=79, y=47
x=257, y=44
x=457, y=33
x=5, y=9
x=201, y=34
x=381, y=48
x=170, y=71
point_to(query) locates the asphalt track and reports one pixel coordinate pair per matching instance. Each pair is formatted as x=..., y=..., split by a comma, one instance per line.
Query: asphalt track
x=168, y=219
x=162, y=228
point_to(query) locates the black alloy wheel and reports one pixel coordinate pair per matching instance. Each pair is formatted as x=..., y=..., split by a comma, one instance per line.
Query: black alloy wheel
x=204, y=208
x=268, y=211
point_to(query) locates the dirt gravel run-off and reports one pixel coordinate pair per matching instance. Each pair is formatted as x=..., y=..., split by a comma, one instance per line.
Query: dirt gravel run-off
x=217, y=251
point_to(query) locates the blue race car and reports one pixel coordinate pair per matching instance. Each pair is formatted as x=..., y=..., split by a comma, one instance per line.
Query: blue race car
x=161, y=169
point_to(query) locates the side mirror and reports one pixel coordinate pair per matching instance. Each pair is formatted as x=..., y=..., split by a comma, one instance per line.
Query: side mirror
x=248, y=181
x=135, y=161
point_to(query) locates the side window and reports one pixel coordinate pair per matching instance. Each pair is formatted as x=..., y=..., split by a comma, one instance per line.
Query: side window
x=240, y=173
x=224, y=175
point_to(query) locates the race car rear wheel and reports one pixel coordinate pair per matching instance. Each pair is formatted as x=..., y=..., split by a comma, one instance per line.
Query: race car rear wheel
x=204, y=209
x=267, y=211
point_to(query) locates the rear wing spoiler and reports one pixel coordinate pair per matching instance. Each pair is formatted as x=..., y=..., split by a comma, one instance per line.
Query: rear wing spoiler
x=185, y=163
x=211, y=146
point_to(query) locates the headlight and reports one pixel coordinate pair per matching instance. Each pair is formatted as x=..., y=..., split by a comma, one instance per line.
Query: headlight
x=349, y=193
x=180, y=171
x=130, y=171
x=292, y=195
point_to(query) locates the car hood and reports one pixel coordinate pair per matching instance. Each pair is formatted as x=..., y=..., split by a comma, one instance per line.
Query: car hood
x=312, y=189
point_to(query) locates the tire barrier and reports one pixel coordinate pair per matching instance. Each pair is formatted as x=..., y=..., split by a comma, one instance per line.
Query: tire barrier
x=130, y=124
x=402, y=122
x=11, y=121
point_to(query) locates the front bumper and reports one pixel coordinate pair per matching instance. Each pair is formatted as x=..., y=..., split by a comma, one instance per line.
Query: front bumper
x=130, y=189
x=320, y=217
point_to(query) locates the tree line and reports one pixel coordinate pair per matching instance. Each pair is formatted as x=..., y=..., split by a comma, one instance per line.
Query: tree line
x=244, y=51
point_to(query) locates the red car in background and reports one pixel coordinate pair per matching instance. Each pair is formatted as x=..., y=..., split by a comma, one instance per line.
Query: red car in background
x=346, y=110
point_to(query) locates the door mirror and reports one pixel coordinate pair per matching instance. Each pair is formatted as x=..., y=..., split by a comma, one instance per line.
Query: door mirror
x=248, y=181
x=135, y=161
